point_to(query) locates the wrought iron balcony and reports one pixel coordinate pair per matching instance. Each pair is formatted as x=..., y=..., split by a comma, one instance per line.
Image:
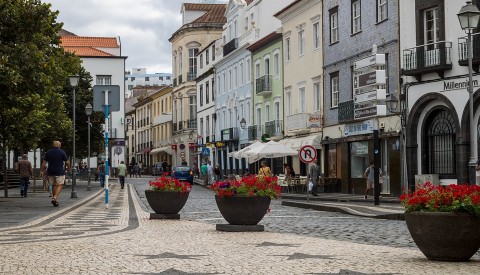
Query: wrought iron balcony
x=463, y=51
x=346, y=111
x=191, y=76
x=255, y=132
x=428, y=58
x=230, y=46
x=263, y=85
x=274, y=128
x=229, y=134
x=192, y=123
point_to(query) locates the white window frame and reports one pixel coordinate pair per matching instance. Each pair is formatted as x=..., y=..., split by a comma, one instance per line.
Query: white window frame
x=334, y=89
x=259, y=116
x=316, y=35
x=382, y=10
x=287, y=49
x=302, y=106
x=201, y=94
x=248, y=70
x=334, y=27
x=276, y=64
x=356, y=17
x=436, y=27
x=201, y=61
x=242, y=74
x=207, y=92
x=267, y=112
x=104, y=80
x=288, y=103
x=316, y=97
x=301, y=42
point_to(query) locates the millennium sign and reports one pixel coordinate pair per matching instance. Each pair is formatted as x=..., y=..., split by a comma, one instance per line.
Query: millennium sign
x=458, y=85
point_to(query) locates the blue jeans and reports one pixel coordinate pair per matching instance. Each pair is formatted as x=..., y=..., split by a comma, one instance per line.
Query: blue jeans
x=122, y=180
x=24, y=185
x=101, y=176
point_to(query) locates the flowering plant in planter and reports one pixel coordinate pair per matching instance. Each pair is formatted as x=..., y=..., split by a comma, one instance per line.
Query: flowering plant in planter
x=249, y=186
x=165, y=183
x=453, y=198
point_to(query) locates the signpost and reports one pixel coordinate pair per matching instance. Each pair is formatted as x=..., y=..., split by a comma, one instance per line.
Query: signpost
x=307, y=154
x=106, y=98
x=369, y=102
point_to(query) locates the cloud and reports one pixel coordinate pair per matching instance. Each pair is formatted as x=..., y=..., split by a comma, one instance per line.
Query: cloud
x=144, y=26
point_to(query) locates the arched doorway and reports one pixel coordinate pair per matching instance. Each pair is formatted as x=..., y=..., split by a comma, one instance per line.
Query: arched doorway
x=439, y=144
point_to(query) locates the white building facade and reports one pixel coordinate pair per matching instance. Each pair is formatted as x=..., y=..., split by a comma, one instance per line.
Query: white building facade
x=140, y=77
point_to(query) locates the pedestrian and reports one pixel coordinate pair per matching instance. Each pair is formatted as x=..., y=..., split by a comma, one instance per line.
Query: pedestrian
x=370, y=177
x=101, y=173
x=210, y=171
x=25, y=171
x=165, y=168
x=130, y=169
x=57, y=164
x=217, y=172
x=478, y=172
x=204, y=170
x=288, y=173
x=184, y=162
x=139, y=170
x=264, y=170
x=314, y=177
x=195, y=169
x=122, y=173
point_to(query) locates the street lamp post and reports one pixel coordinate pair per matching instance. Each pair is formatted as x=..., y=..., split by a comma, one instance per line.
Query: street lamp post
x=468, y=17
x=74, y=83
x=89, y=112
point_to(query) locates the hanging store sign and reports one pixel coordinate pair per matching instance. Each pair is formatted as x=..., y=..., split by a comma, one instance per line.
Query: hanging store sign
x=373, y=60
x=377, y=110
x=376, y=77
x=372, y=95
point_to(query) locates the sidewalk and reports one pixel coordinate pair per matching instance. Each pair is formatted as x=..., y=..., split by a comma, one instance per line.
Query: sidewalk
x=356, y=205
x=16, y=210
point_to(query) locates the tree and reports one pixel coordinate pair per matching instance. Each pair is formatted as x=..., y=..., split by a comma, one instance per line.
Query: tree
x=33, y=69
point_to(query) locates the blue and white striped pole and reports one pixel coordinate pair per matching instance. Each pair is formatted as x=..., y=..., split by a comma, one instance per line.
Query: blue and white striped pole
x=106, y=148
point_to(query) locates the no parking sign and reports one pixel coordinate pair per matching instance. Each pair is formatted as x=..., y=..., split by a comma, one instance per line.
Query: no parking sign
x=307, y=154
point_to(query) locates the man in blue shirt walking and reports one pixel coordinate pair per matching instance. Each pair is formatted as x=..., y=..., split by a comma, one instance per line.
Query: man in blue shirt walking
x=57, y=163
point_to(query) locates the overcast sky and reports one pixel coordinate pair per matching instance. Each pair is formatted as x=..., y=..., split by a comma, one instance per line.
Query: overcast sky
x=144, y=26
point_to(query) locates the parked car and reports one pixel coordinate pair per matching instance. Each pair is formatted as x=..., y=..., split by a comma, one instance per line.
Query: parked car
x=157, y=169
x=183, y=173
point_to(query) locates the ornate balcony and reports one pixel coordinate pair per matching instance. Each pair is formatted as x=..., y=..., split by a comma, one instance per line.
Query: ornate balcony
x=274, y=128
x=428, y=58
x=463, y=51
x=191, y=76
x=263, y=85
x=230, y=46
x=229, y=134
x=192, y=123
x=255, y=132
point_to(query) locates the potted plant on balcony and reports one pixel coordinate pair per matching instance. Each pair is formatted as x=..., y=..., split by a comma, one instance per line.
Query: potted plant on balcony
x=167, y=196
x=444, y=221
x=244, y=202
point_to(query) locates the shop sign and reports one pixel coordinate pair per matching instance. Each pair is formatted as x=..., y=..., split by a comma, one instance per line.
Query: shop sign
x=372, y=78
x=373, y=60
x=314, y=120
x=219, y=144
x=359, y=128
x=372, y=95
x=225, y=134
x=377, y=110
x=458, y=85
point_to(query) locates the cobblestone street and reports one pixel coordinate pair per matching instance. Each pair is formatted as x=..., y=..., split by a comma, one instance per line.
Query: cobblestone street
x=86, y=238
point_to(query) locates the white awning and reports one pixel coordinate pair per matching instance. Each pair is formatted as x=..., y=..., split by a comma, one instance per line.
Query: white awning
x=297, y=143
x=165, y=149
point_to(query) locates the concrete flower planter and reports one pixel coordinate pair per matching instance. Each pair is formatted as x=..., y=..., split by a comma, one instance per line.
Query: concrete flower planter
x=243, y=211
x=445, y=236
x=166, y=204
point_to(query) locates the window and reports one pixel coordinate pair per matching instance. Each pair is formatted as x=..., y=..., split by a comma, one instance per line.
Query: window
x=382, y=11
x=207, y=126
x=334, y=89
x=358, y=158
x=192, y=64
x=230, y=79
x=147, y=78
x=267, y=66
x=287, y=49
x=257, y=70
x=201, y=126
x=213, y=89
x=207, y=92
x=288, y=104
x=242, y=74
x=133, y=78
x=224, y=83
x=235, y=75
x=104, y=80
x=276, y=65
x=267, y=112
x=180, y=64
x=356, y=17
x=301, y=42
x=193, y=107
x=316, y=35
x=316, y=97
x=301, y=101
x=235, y=29
x=431, y=25
x=213, y=52
x=334, y=25
x=201, y=95
x=248, y=70
x=246, y=23
x=332, y=160
x=259, y=116
x=439, y=142
x=277, y=110
x=130, y=87
x=126, y=78
x=207, y=56
x=201, y=61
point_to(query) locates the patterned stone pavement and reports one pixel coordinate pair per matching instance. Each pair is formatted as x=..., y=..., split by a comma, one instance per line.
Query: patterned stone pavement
x=89, y=239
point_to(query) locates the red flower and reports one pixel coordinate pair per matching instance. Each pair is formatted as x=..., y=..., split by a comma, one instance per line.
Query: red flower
x=165, y=183
x=249, y=186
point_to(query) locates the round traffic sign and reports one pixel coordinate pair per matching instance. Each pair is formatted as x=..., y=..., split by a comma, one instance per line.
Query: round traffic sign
x=182, y=154
x=307, y=154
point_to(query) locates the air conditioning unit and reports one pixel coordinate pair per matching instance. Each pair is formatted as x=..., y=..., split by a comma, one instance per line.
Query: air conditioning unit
x=424, y=178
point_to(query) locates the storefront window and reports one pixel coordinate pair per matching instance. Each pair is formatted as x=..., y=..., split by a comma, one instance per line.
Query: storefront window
x=332, y=160
x=358, y=158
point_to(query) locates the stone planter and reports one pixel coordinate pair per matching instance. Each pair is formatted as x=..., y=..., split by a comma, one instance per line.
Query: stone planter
x=243, y=213
x=445, y=236
x=166, y=204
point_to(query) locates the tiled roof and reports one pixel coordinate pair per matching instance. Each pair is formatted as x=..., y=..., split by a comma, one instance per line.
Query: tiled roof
x=264, y=41
x=215, y=13
x=249, y=1
x=86, y=51
x=85, y=41
x=286, y=8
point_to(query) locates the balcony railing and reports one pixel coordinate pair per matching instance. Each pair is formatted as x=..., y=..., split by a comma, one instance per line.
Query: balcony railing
x=229, y=134
x=192, y=123
x=346, y=111
x=463, y=51
x=191, y=76
x=255, y=132
x=230, y=46
x=433, y=57
x=273, y=128
x=263, y=85
x=296, y=121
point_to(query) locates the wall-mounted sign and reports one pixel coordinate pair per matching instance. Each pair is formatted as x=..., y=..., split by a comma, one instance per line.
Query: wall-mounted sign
x=314, y=120
x=377, y=110
x=174, y=147
x=376, y=77
x=372, y=95
x=458, y=85
x=219, y=144
x=373, y=60
x=359, y=128
x=182, y=146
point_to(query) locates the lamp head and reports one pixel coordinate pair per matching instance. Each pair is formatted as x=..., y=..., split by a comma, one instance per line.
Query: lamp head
x=74, y=80
x=469, y=16
x=89, y=109
x=392, y=104
x=243, y=123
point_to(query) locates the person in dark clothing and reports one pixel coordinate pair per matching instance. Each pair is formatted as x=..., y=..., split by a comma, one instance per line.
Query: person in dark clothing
x=57, y=164
x=25, y=171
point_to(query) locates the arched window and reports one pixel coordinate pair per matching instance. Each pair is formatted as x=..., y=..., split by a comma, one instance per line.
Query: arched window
x=440, y=143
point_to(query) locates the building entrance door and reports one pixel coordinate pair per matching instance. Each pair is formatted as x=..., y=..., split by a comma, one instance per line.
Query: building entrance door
x=385, y=167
